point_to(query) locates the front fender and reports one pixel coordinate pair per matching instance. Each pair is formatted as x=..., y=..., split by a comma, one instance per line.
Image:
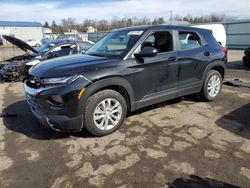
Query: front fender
x=98, y=85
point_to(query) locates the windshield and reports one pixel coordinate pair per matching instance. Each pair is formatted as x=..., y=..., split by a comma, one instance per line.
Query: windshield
x=46, y=47
x=116, y=44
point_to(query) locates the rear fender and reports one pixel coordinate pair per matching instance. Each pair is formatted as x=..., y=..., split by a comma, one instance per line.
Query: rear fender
x=213, y=65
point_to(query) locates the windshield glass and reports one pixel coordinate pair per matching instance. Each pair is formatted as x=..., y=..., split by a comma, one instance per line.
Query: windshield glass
x=116, y=44
x=46, y=47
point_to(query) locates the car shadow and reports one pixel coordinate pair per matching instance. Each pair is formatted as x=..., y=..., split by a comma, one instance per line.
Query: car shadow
x=154, y=106
x=17, y=117
x=237, y=122
x=190, y=98
x=197, y=182
x=237, y=65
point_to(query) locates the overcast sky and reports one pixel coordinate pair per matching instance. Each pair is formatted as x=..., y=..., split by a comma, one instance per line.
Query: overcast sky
x=32, y=10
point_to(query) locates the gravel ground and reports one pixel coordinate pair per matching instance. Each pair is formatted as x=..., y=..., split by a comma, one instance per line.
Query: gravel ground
x=179, y=143
x=8, y=52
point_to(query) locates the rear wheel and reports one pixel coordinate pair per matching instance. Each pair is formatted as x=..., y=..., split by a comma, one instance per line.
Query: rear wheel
x=212, y=86
x=105, y=112
x=246, y=61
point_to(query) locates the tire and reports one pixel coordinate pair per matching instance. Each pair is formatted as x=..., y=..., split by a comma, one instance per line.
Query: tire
x=246, y=61
x=111, y=119
x=247, y=64
x=207, y=95
x=247, y=52
x=37, y=45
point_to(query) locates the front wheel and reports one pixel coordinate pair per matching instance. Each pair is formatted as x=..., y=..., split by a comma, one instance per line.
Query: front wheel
x=246, y=61
x=105, y=111
x=212, y=86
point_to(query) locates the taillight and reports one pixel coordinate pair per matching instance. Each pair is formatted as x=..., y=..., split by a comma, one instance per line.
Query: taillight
x=224, y=49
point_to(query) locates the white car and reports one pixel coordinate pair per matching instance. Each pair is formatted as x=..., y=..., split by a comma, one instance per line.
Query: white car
x=219, y=32
x=34, y=43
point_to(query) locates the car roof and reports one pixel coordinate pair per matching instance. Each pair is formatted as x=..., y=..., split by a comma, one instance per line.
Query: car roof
x=156, y=27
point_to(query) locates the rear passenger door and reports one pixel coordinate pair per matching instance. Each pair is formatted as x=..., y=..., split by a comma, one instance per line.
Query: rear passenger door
x=193, y=57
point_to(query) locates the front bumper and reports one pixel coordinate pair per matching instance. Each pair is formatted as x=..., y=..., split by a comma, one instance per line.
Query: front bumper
x=66, y=118
x=60, y=123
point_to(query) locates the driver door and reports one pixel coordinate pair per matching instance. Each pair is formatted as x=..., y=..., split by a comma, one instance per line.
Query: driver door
x=156, y=79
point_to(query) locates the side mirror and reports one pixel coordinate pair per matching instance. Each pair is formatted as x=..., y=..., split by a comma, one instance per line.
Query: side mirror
x=147, y=51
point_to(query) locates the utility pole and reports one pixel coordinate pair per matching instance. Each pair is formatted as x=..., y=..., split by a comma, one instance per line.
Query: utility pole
x=95, y=25
x=171, y=16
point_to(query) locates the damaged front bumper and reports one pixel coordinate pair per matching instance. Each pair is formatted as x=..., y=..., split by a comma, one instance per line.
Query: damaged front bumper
x=60, y=123
x=64, y=117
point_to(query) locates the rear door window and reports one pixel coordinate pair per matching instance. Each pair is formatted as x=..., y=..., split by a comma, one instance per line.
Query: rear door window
x=189, y=40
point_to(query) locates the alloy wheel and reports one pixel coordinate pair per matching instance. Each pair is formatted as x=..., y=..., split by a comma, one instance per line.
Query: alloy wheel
x=107, y=114
x=214, y=85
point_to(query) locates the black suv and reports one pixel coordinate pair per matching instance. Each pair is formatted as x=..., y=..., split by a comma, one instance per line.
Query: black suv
x=128, y=69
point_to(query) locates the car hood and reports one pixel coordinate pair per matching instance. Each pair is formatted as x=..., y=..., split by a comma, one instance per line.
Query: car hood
x=70, y=65
x=19, y=43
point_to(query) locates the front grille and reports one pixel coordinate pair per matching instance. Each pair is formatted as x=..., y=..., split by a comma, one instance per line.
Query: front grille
x=37, y=83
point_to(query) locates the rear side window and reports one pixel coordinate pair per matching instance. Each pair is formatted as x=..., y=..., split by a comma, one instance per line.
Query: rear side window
x=189, y=40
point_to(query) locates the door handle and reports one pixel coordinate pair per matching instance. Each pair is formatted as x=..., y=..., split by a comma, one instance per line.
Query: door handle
x=172, y=59
x=207, y=53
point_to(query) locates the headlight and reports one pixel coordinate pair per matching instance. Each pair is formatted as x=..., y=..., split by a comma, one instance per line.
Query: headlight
x=60, y=80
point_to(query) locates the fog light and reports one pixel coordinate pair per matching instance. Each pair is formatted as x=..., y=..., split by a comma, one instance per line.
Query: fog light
x=56, y=99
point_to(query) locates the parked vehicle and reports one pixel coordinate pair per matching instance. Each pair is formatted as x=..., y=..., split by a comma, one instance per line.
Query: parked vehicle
x=219, y=32
x=16, y=68
x=128, y=69
x=34, y=43
x=43, y=41
x=246, y=58
x=1, y=41
x=73, y=37
x=70, y=37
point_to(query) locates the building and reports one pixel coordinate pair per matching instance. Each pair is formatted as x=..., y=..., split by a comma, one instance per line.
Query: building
x=47, y=33
x=91, y=29
x=238, y=34
x=22, y=30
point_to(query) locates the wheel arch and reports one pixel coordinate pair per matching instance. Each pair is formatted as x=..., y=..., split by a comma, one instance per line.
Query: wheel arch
x=117, y=84
x=217, y=65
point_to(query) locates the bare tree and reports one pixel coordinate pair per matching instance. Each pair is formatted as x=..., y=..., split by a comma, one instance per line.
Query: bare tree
x=70, y=24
